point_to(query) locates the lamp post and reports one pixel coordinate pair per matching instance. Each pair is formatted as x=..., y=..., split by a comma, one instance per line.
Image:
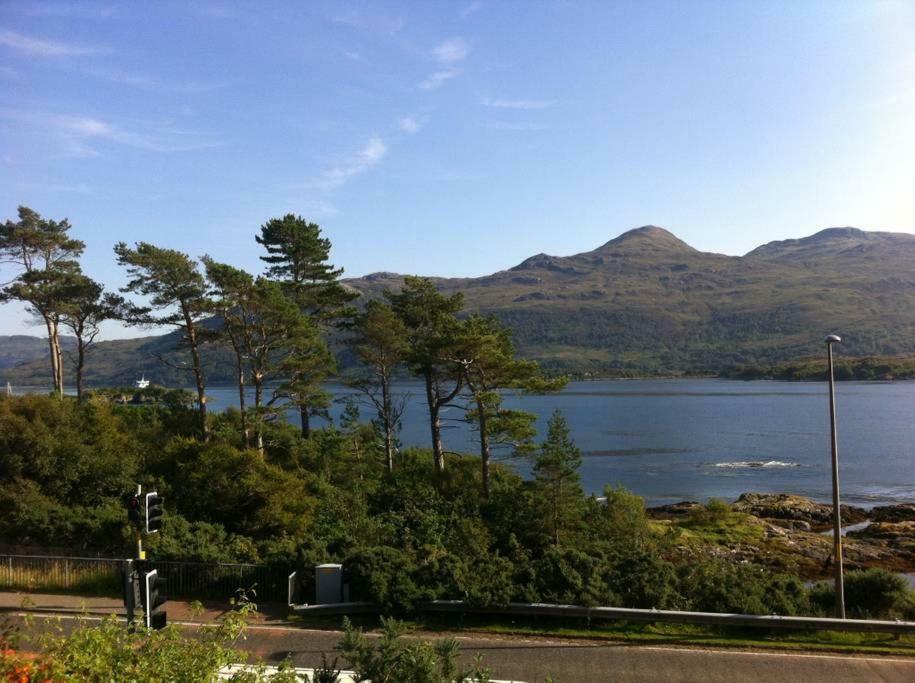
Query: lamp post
x=836, y=512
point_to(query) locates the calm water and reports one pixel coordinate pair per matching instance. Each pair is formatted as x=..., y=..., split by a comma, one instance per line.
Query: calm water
x=672, y=440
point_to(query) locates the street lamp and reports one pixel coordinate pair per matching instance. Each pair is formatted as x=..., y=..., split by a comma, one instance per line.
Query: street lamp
x=836, y=512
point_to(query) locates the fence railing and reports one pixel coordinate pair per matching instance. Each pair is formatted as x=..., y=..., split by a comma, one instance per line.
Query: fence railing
x=102, y=576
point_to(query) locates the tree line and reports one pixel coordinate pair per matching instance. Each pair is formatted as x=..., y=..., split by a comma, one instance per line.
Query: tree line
x=277, y=327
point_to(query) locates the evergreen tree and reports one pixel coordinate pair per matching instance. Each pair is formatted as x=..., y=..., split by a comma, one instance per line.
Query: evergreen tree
x=46, y=256
x=486, y=355
x=430, y=319
x=269, y=335
x=178, y=291
x=86, y=307
x=380, y=342
x=557, y=480
x=298, y=258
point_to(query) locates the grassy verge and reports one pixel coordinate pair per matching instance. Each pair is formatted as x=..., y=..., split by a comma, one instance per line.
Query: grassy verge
x=644, y=634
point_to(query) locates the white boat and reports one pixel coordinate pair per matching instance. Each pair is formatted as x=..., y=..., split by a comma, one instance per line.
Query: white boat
x=142, y=383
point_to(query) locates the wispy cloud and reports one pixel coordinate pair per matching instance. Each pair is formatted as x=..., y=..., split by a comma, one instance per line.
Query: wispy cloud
x=373, y=23
x=9, y=72
x=78, y=135
x=157, y=139
x=518, y=104
x=360, y=162
x=507, y=125
x=152, y=83
x=451, y=51
x=83, y=10
x=438, y=79
x=47, y=48
x=471, y=8
x=448, y=54
x=408, y=124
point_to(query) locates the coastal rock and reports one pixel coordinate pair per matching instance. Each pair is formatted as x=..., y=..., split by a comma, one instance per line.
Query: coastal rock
x=904, y=512
x=785, y=506
x=674, y=510
x=898, y=533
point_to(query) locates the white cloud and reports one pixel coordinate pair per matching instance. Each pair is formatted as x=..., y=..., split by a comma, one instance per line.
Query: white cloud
x=518, y=104
x=367, y=157
x=76, y=134
x=47, y=48
x=451, y=51
x=373, y=23
x=409, y=125
x=471, y=8
x=69, y=9
x=506, y=125
x=438, y=79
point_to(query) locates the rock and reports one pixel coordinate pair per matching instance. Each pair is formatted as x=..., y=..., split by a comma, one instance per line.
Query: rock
x=903, y=512
x=790, y=524
x=790, y=507
x=674, y=510
x=887, y=531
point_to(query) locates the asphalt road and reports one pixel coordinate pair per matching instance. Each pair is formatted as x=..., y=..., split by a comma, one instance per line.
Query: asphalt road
x=520, y=659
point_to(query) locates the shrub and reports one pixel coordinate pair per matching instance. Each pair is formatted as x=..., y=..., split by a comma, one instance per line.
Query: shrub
x=869, y=594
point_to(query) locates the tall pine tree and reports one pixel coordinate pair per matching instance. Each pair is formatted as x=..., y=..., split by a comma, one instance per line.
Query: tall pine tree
x=298, y=259
x=557, y=481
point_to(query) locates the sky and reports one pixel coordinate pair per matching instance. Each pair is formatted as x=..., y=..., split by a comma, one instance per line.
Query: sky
x=453, y=138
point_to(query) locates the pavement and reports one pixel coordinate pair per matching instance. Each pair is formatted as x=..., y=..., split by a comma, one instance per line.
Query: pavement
x=272, y=638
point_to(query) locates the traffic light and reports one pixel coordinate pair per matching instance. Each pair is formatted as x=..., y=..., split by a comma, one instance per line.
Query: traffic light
x=152, y=596
x=153, y=512
x=133, y=509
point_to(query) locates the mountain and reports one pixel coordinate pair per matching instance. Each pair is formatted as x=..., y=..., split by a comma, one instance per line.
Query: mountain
x=646, y=302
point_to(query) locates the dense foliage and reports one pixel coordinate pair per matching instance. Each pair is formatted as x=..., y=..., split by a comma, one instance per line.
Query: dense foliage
x=405, y=535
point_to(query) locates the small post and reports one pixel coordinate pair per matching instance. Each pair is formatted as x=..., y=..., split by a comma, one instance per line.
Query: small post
x=836, y=510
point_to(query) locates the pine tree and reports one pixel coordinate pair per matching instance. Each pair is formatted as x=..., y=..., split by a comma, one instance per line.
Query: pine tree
x=298, y=258
x=380, y=342
x=178, y=291
x=486, y=355
x=430, y=319
x=556, y=478
x=46, y=255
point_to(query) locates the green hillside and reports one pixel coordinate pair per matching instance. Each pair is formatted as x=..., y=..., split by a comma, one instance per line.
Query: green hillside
x=645, y=303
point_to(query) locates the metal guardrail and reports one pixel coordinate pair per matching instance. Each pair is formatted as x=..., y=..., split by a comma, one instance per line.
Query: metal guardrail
x=199, y=580
x=674, y=617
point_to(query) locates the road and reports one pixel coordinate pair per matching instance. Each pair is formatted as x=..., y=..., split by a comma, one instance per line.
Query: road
x=578, y=661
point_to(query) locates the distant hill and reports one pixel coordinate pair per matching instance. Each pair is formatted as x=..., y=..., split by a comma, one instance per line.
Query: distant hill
x=646, y=302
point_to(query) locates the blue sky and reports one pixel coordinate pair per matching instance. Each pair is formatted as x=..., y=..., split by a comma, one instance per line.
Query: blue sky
x=454, y=138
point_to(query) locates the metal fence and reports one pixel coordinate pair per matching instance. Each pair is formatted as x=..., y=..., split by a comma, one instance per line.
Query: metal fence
x=102, y=576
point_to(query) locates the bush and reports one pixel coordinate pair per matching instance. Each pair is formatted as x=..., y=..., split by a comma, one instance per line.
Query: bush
x=869, y=594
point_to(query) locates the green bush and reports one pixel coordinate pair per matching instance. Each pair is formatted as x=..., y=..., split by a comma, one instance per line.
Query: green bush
x=869, y=594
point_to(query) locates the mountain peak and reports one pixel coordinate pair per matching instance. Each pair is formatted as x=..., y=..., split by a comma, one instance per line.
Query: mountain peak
x=647, y=238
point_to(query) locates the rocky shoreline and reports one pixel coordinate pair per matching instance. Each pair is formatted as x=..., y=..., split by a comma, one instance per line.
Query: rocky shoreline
x=787, y=532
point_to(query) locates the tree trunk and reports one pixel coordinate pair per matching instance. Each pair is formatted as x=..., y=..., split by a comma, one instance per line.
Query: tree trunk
x=484, y=446
x=241, y=399
x=80, y=363
x=435, y=424
x=306, y=422
x=387, y=420
x=55, y=357
x=258, y=418
x=60, y=362
x=198, y=376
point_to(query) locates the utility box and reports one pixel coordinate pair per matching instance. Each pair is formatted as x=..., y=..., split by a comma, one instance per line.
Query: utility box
x=328, y=584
